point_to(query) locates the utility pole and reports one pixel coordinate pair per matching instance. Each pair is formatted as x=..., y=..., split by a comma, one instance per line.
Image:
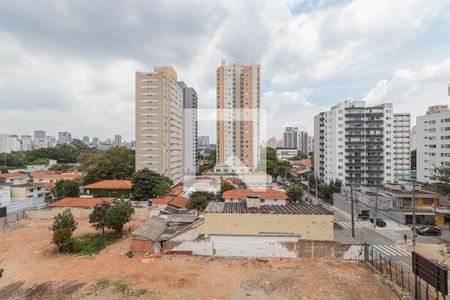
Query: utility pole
x=376, y=210
x=353, y=214
x=414, y=216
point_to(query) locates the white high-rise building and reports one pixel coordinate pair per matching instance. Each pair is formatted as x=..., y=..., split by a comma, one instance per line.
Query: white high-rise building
x=159, y=123
x=402, y=146
x=310, y=144
x=303, y=142
x=27, y=143
x=433, y=142
x=290, y=138
x=355, y=144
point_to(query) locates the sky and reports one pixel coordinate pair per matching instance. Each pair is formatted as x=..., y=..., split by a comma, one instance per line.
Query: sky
x=70, y=65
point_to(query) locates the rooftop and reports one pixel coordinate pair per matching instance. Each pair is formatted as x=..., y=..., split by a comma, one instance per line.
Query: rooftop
x=288, y=209
x=178, y=201
x=50, y=175
x=110, y=185
x=12, y=175
x=79, y=202
x=244, y=193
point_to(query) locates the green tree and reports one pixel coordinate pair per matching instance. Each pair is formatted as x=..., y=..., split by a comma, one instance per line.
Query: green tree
x=63, y=226
x=97, y=217
x=295, y=193
x=300, y=155
x=118, y=214
x=66, y=188
x=225, y=186
x=148, y=184
x=114, y=163
x=210, y=196
x=198, y=202
x=443, y=180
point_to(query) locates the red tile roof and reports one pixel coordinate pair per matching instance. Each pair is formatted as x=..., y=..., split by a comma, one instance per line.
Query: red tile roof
x=264, y=194
x=49, y=175
x=79, y=202
x=175, y=191
x=12, y=175
x=179, y=202
x=110, y=185
x=162, y=200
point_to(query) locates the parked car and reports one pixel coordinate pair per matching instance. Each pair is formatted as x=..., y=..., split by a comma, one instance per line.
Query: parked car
x=379, y=223
x=429, y=231
x=418, y=228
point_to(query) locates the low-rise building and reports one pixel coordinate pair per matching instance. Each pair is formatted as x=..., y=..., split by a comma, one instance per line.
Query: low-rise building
x=53, y=177
x=109, y=188
x=28, y=191
x=285, y=153
x=266, y=197
x=79, y=202
x=14, y=178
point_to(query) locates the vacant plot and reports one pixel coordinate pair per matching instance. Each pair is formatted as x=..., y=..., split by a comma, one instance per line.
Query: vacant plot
x=33, y=270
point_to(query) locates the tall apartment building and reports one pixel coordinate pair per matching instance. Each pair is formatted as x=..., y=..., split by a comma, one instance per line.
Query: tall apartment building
x=117, y=140
x=203, y=141
x=413, y=138
x=303, y=141
x=310, y=144
x=433, y=142
x=238, y=118
x=27, y=143
x=290, y=138
x=39, y=134
x=355, y=144
x=272, y=142
x=190, y=104
x=402, y=145
x=159, y=123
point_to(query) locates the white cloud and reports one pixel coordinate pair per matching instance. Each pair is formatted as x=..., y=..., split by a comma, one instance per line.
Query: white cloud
x=414, y=90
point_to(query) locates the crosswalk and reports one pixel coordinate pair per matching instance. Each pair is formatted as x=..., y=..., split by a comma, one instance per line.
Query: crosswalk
x=392, y=235
x=389, y=250
x=345, y=224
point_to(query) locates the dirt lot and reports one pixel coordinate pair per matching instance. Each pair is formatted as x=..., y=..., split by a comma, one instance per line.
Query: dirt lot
x=33, y=270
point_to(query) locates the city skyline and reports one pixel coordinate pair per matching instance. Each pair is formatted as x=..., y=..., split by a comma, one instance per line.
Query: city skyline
x=78, y=79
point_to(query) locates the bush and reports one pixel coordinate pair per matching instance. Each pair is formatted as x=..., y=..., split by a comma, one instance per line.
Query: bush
x=63, y=226
x=198, y=202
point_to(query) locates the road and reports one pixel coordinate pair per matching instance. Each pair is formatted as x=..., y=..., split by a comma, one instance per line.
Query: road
x=384, y=241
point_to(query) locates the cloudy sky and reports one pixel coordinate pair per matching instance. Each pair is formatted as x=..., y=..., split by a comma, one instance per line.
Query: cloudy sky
x=69, y=65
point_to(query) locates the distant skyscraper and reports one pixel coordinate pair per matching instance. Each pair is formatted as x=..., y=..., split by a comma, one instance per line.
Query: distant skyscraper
x=238, y=119
x=303, y=142
x=86, y=139
x=64, y=137
x=39, y=134
x=402, y=146
x=290, y=138
x=310, y=144
x=117, y=140
x=27, y=143
x=190, y=129
x=203, y=141
x=95, y=142
x=272, y=142
x=159, y=123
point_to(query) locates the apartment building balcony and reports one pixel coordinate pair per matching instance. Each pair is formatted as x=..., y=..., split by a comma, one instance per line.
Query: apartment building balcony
x=355, y=135
x=374, y=142
x=374, y=114
x=355, y=115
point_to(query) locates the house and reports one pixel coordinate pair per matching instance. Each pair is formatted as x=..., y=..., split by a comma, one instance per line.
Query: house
x=53, y=177
x=267, y=197
x=149, y=237
x=28, y=191
x=13, y=178
x=109, y=188
x=18, y=197
x=172, y=198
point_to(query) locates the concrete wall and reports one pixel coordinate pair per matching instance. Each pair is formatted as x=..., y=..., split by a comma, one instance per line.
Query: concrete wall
x=79, y=213
x=308, y=227
x=266, y=246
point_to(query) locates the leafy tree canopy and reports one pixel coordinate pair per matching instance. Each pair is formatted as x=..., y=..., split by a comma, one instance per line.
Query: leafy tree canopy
x=118, y=214
x=148, y=184
x=198, y=202
x=295, y=193
x=66, y=188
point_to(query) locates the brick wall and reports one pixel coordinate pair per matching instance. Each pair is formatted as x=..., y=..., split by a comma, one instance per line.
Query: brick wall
x=141, y=246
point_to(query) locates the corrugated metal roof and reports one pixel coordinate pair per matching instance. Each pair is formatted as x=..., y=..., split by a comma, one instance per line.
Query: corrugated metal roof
x=291, y=208
x=152, y=228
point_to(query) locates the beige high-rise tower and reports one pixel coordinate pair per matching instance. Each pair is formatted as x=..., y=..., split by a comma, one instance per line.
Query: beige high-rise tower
x=238, y=118
x=159, y=123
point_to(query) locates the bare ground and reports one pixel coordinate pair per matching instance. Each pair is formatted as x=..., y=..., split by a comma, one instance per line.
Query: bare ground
x=33, y=270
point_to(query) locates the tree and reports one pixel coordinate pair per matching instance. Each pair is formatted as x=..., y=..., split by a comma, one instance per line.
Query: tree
x=300, y=155
x=118, y=214
x=115, y=163
x=97, y=217
x=225, y=186
x=295, y=193
x=445, y=251
x=443, y=178
x=148, y=184
x=210, y=196
x=66, y=188
x=198, y=202
x=63, y=226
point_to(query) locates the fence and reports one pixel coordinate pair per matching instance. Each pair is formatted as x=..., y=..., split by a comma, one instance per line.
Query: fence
x=401, y=276
x=13, y=217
